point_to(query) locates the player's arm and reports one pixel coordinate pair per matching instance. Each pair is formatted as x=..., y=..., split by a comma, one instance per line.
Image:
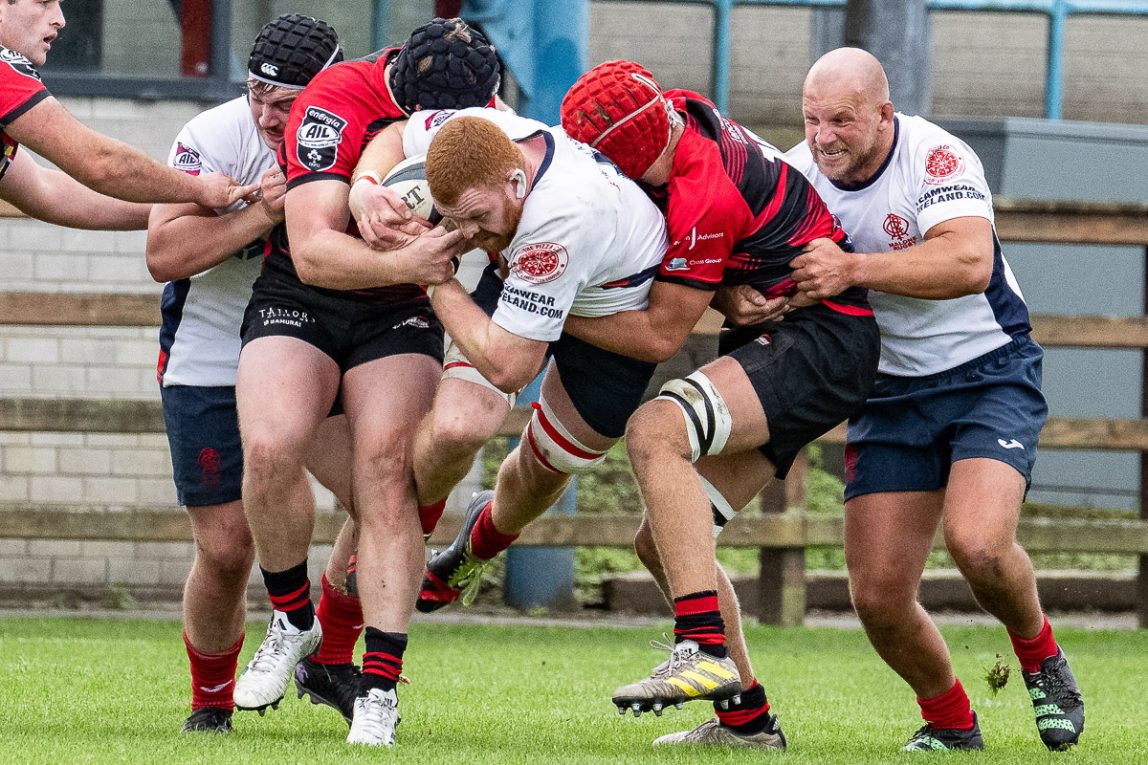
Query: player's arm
x=955, y=259
x=326, y=256
x=507, y=360
x=186, y=239
x=50, y=195
x=112, y=167
x=383, y=218
x=654, y=334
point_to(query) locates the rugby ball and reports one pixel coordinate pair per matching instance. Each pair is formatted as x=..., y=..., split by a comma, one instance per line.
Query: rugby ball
x=409, y=180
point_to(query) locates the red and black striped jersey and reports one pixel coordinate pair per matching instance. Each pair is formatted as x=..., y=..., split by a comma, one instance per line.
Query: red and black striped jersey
x=737, y=213
x=330, y=124
x=20, y=90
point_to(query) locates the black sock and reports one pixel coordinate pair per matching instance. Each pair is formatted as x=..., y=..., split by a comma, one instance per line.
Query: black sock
x=290, y=592
x=382, y=659
x=750, y=715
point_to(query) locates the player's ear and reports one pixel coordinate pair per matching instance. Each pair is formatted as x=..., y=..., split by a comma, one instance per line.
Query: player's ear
x=518, y=180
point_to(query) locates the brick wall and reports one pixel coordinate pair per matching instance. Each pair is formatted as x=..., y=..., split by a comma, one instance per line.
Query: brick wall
x=985, y=65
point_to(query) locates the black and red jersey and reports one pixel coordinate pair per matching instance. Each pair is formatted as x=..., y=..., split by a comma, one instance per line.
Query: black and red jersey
x=736, y=212
x=20, y=90
x=330, y=124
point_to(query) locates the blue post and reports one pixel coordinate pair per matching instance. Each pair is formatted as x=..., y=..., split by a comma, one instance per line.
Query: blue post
x=723, y=10
x=1054, y=77
x=544, y=46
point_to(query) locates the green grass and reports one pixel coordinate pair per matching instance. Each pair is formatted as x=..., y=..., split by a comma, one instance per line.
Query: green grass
x=100, y=691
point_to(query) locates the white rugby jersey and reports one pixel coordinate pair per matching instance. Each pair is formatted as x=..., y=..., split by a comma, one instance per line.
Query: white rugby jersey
x=930, y=177
x=589, y=242
x=199, y=340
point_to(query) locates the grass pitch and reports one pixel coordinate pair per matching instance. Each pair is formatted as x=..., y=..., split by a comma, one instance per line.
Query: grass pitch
x=110, y=691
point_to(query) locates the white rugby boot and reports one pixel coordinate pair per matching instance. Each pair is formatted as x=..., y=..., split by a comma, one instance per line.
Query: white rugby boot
x=265, y=679
x=376, y=717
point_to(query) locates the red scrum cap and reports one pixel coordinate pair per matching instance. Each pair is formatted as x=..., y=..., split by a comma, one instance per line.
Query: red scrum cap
x=618, y=108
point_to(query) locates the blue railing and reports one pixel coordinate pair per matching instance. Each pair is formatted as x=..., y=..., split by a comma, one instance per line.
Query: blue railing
x=1057, y=11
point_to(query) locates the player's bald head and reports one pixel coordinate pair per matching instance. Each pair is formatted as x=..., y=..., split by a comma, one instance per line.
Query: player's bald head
x=847, y=73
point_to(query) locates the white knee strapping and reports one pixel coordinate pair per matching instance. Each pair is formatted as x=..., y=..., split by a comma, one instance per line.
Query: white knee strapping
x=708, y=421
x=554, y=447
x=722, y=510
x=455, y=365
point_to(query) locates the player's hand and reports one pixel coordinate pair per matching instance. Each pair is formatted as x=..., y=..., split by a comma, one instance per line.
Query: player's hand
x=383, y=218
x=743, y=306
x=272, y=191
x=433, y=256
x=217, y=191
x=823, y=269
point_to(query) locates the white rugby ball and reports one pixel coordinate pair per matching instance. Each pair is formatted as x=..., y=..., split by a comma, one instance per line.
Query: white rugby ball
x=409, y=180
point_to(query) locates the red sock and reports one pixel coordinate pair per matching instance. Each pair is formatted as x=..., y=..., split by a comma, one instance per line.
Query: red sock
x=1033, y=651
x=697, y=617
x=949, y=710
x=341, y=617
x=487, y=541
x=213, y=675
x=429, y=515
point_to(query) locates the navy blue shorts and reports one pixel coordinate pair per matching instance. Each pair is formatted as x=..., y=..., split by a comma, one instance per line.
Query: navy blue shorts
x=913, y=428
x=605, y=388
x=203, y=433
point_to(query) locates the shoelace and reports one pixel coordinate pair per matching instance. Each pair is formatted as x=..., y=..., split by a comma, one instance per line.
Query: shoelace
x=264, y=658
x=1056, y=687
x=468, y=577
x=376, y=712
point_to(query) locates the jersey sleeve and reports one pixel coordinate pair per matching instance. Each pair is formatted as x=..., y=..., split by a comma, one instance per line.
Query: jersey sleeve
x=421, y=128
x=20, y=86
x=703, y=218
x=549, y=265
x=950, y=182
x=209, y=143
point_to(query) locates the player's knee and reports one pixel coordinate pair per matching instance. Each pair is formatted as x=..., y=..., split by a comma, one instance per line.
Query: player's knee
x=655, y=432
x=979, y=560
x=703, y=415
x=880, y=601
x=454, y=436
x=267, y=457
x=229, y=557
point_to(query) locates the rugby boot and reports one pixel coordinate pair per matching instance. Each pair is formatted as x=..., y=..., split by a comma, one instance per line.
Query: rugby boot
x=375, y=719
x=1057, y=702
x=265, y=679
x=208, y=720
x=454, y=572
x=336, y=685
x=713, y=733
x=689, y=675
x=930, y=739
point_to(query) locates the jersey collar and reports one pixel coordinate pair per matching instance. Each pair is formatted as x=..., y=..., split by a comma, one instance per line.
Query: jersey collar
x=884, y=165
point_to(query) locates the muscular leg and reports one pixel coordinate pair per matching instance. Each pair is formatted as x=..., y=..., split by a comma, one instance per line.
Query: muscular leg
x=465, y=415
x=215, y=596
x=677, y=505
x=385, y=399
x=284, y=390
x=887, y=539
x=981, y=511
x=329, y=459
x=525, y=488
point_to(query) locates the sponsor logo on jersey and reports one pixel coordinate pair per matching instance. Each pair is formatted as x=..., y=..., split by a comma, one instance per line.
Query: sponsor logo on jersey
x=434, y=119
x=898, y=230
x=318, y=139
x=187, y=159
x=949, y=194
x=694, y=238
x=531, y=302
x=539, y=262
x=942, y=164
x=269, y=69
x=18, y=63
x=677, y=264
